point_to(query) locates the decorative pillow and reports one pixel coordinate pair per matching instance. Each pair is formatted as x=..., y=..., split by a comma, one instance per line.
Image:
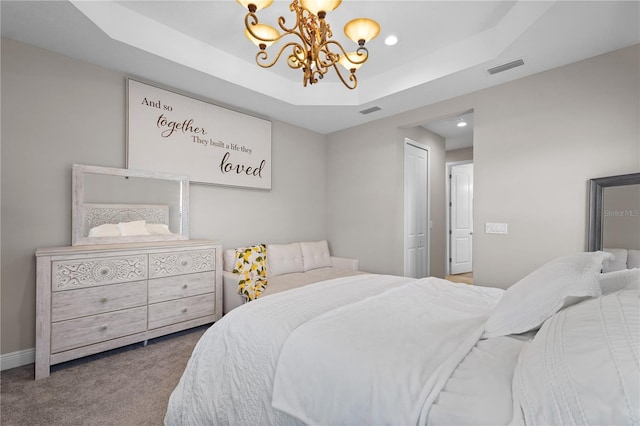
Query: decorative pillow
x=550, y=288
x=284, y=259
x=251, y=266
x=315, y=255
x=106, y=230
x=158, y=229
x=229, y=259
x=620, y=280
x=616, y=263
x=633, y=258
x=138, y=227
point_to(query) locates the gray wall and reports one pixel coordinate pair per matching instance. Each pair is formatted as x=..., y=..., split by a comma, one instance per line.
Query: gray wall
x=57, y=111
x=537, y=142
x=464, y=154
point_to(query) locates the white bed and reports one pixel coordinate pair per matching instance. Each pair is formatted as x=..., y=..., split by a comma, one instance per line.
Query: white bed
x=376, y=349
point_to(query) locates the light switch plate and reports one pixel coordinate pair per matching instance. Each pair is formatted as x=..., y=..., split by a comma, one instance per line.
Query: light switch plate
x=496, y=228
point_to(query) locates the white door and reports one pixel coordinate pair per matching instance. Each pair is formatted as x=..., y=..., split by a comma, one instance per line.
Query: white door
x=416, y=257
x=461, y=220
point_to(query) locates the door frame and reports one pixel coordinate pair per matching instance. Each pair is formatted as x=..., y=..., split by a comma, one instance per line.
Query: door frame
x=428, y=224
x=448, y=167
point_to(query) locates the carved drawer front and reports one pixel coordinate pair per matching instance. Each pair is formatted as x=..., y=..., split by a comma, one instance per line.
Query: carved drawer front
x=68, y=274
x=181, y=262
x=175, y=311
x=97, y=300
x=163, y=289
x=88, y=330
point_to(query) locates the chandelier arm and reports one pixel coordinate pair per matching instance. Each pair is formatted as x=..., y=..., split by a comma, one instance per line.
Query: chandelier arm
x=361, y=51
x=352, y=78
x=282, y=20
x=262, y=55
x=250, y=20
x=327, y=59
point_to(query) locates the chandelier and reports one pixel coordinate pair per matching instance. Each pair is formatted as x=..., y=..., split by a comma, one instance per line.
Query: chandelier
x=311, y=47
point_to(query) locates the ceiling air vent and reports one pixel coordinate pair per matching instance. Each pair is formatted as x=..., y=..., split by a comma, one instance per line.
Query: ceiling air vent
x=370, y=110
x=504, y=67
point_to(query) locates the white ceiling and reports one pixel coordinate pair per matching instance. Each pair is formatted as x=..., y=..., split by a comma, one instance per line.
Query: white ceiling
x=444, y=50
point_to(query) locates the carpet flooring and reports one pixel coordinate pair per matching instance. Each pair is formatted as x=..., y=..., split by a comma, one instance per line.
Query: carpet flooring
x=126, y=386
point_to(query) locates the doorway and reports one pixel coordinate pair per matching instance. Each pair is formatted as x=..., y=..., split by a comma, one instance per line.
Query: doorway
x=416, y=210
x=460, y=218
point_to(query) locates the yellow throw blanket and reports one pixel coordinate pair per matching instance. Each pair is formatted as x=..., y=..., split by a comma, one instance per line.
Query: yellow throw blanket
x=251, y=265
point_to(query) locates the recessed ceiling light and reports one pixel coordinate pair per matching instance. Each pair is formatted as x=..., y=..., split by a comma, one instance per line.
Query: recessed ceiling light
x=461, y=124
x=391, y=40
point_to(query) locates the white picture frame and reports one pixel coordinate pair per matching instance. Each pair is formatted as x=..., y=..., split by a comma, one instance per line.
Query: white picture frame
x=172, y=133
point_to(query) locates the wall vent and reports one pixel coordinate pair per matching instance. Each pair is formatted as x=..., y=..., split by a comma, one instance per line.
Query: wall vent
x=504, y=67
x=370, y=110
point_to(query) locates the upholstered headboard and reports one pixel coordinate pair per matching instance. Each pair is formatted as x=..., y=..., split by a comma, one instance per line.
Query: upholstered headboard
x=100, y=214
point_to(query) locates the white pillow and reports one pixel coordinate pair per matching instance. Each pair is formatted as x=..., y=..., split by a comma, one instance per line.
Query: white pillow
x=582, y=366
x=158, y=229
x=229, y=259
x=105, y=230
x=284, y=259
x=315, y=255
x=620, y=280
x=618, y=262
x=633, y=258
x=550, y=288
x=137, y=227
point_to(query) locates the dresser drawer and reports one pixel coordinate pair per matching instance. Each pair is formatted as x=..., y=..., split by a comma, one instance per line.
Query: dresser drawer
x=69, y=274
x=163, y=289
x=71, y=334
x=175, y=311
x=83, y=302
x=181, y=262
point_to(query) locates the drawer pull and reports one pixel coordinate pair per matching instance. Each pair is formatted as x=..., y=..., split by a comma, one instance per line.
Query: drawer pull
x=184, y=310
x=103, y=300
x=103, y=328
x=185, y=286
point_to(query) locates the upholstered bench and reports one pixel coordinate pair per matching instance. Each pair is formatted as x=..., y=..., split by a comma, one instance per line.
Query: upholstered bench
x=288, y=266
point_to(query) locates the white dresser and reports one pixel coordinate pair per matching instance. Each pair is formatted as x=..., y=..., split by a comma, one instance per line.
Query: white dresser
x=94, y=298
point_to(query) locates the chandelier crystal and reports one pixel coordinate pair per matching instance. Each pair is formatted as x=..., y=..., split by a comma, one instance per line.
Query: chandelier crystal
x=310, y=47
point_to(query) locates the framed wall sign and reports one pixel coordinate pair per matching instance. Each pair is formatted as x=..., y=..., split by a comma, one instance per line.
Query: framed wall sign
x=172, y=133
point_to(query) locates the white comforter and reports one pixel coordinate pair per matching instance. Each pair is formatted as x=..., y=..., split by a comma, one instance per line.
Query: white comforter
x=405, y=337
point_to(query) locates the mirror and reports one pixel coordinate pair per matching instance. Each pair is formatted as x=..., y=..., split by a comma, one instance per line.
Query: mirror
x=112, y=205
x=614, y=212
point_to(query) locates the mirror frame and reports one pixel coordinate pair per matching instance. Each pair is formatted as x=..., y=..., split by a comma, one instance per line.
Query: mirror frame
x=77, y=203
x=595, y=204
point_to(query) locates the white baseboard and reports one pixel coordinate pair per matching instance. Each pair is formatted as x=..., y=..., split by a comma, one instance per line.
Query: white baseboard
x=17, y=359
